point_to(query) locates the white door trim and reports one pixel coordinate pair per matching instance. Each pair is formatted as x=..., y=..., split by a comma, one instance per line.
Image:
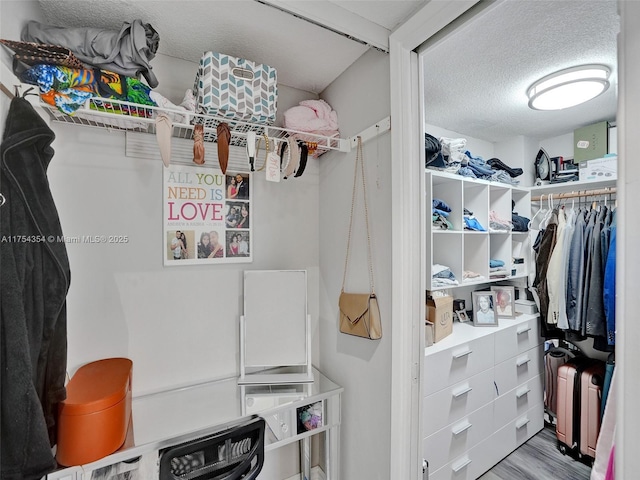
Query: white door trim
x=408, y=283
x=627, y=255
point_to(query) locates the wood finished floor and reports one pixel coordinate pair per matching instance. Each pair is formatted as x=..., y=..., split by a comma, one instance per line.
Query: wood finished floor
x=539, y=459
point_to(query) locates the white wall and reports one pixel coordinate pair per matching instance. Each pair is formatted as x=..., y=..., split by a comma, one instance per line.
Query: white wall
x=361, y=97
x=179, y=325
x=519, y=152
x=560, y=146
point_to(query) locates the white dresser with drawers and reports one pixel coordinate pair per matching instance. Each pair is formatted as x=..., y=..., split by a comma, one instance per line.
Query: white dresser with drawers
x=483, y=396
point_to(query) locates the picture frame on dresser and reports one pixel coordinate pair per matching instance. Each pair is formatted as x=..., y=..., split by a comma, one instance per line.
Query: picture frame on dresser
x=505, y=305
x=484, y=309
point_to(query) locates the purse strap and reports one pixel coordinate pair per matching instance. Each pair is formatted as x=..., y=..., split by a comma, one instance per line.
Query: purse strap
x=360, y=161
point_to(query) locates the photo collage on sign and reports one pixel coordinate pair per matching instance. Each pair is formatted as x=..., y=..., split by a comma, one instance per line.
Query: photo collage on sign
x=207, y=216
x=237, y=216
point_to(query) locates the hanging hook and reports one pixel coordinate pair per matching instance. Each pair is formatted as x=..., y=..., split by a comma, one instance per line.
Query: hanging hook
x=28, y=92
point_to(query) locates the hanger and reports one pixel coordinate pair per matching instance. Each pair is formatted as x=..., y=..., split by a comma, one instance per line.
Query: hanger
x=536, y=214
x=547, y=217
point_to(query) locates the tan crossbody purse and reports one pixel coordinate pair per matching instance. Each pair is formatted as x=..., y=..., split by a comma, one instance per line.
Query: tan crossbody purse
x=359, y=312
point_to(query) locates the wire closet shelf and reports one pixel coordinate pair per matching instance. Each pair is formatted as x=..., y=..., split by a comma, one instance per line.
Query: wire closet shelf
x=115, y=114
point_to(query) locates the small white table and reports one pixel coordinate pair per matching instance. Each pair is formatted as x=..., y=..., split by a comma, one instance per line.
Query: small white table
x=176, y=416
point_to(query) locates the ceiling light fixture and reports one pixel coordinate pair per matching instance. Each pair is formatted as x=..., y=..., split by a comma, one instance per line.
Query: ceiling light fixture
x=568, y=87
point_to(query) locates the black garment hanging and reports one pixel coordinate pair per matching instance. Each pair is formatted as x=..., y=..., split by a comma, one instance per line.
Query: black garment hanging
x=34, y=280
x=547, y=244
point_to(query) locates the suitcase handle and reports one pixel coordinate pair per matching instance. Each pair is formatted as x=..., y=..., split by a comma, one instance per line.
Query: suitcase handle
x=458, y=429
x=522, y=361
x=461, y=464
x=462, y=391
x=463, y=353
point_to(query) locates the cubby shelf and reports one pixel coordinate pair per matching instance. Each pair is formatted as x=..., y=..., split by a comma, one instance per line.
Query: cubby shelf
x=467, y=250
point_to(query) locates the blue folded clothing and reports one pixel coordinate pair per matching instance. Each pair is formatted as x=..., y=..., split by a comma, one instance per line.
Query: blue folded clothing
x=495, y=263
x=520, y=224
x=471, y=223
x=444, y=213
x=440, y=205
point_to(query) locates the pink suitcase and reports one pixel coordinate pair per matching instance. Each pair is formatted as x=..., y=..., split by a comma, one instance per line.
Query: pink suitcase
x=567, y=406
x=578, y=406
x=591, y=382
x=553, y=358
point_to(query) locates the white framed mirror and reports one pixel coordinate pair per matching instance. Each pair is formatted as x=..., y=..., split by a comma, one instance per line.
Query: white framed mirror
x=275, y=337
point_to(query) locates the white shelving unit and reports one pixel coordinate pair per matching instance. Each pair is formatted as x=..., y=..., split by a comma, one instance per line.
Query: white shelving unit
x=569, y=187
x=461, y=249
x=115, y=114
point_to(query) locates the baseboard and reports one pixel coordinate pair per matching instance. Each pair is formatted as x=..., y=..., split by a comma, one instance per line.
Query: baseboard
x=316, y=474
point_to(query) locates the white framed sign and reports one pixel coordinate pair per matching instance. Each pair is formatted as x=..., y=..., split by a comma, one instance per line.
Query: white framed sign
x=207, y=216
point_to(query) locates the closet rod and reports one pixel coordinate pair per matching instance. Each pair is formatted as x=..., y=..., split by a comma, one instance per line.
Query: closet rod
x=583, y=193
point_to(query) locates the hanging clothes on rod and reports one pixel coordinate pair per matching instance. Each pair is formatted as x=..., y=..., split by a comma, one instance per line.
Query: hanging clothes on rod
x=573, y=250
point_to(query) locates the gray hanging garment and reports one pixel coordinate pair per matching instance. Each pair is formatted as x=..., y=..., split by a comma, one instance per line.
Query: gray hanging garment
x=127, y=52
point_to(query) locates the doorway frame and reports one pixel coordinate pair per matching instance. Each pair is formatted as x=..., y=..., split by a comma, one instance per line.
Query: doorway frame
x=408, y=232
x=407, y=274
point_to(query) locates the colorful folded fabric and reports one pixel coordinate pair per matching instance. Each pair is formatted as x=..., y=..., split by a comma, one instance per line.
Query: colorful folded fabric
x=69, y=88
x=62, y=87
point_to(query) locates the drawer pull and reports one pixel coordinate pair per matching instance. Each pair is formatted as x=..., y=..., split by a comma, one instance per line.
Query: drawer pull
x=456, y=467
x=524, y=330
x=523, y=361
x=521, y=423
x=522, y=392
x=458, y=429
x=463, y=353
x=461, y=391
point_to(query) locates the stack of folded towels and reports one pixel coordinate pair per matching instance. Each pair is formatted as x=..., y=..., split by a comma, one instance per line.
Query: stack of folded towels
x=497, y=269
x=313, y=116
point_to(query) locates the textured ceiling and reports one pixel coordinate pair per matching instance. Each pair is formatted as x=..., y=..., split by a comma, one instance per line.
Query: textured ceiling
x=306, y=56
x=476, y=78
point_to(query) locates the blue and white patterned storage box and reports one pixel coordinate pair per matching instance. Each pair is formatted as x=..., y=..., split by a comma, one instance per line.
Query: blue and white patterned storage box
x=236, y=88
